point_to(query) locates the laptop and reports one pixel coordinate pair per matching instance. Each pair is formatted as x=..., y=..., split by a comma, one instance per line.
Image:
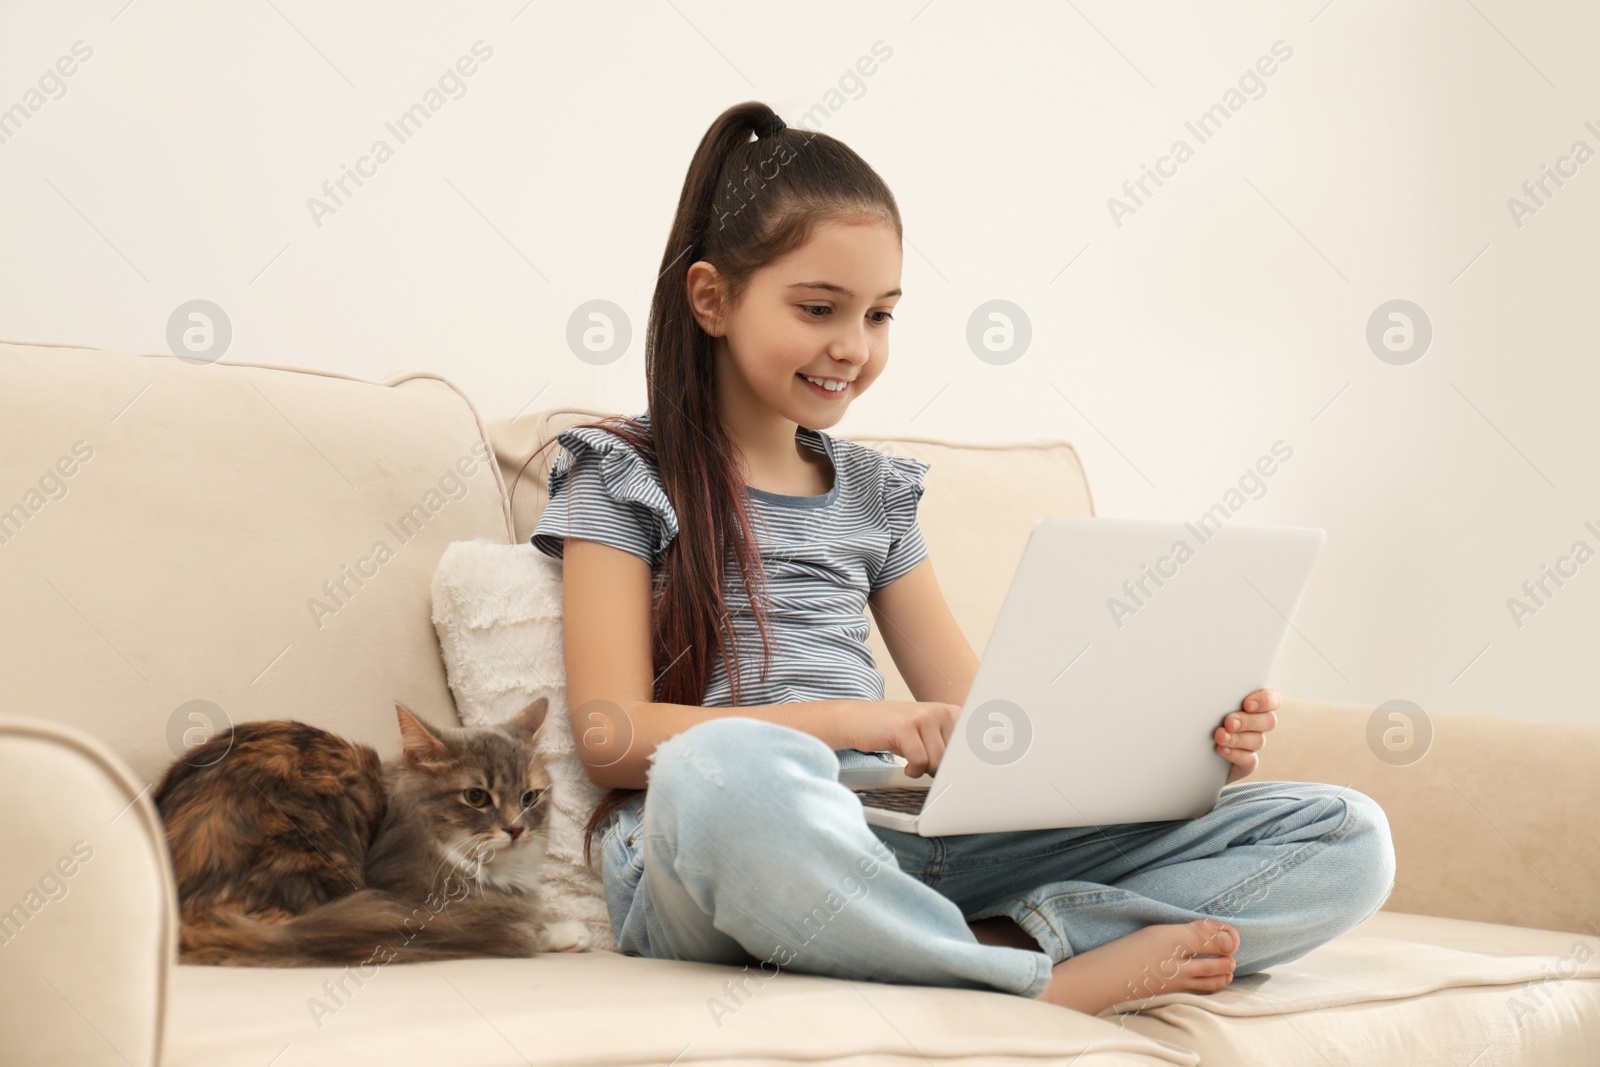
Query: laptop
x=1121, y=646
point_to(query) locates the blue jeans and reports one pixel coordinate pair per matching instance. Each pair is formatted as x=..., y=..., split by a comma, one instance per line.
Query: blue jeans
x=746, y=850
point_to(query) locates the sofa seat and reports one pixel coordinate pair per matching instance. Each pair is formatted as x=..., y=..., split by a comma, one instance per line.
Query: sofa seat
x=1399, y=989
x=1402, y=989
x=606, y=1008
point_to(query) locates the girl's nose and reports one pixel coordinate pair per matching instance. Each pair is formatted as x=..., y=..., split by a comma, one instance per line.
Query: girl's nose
x=852, y=347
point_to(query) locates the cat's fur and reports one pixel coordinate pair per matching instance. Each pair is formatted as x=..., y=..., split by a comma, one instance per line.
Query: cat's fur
x=293, y=846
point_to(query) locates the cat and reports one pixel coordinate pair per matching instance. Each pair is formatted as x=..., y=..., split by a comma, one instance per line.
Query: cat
x=295, y=847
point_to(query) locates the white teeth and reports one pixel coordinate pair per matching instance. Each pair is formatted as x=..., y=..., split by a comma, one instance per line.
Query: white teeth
x=832, y=387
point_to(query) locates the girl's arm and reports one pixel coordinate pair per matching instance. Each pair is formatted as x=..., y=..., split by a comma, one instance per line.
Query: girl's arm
x=606, y=635
x=922, y=635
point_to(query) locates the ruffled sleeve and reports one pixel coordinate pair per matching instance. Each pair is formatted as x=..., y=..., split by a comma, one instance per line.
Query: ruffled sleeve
x=902, y=489
x=602, y=490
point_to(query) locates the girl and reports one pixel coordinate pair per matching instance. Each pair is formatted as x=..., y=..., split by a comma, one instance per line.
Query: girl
x=725, y=516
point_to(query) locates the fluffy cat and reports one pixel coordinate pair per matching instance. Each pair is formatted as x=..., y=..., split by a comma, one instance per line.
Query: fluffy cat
x=293, y=846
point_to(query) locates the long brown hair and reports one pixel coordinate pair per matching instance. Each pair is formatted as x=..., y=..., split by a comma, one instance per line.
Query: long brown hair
x=745, y=203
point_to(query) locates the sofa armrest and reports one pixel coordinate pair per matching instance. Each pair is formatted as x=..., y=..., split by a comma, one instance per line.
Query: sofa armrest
x=1495, y=821
x=88, y=908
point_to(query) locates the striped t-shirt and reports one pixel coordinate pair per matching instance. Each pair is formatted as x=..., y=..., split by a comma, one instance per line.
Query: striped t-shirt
x=822, y=556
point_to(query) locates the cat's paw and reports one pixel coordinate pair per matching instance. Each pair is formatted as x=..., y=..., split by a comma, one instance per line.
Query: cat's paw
x=568, y=935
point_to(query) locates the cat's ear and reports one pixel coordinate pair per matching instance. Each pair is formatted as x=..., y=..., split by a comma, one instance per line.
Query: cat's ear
x=529, y=719
x=421, y=744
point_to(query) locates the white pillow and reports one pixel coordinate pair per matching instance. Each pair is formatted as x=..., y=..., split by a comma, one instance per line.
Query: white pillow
x=497, y=610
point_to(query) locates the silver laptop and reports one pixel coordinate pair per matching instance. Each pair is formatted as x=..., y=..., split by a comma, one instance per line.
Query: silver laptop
x=1121, y=646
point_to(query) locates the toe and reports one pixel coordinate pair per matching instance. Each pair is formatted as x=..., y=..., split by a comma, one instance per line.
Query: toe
x=1214, y=936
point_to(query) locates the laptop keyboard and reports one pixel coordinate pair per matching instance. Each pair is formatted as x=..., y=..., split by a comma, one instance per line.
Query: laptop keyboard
x=906, y=799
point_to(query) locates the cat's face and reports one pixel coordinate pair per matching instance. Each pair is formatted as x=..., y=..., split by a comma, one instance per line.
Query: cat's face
x=481, y=789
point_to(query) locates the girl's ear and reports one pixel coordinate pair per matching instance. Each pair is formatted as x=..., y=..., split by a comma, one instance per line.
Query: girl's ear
x=421, y=744
x=529, y=719
x=704, y=287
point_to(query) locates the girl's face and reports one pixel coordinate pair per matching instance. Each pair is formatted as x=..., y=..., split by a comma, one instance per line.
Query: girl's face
x=822, y=311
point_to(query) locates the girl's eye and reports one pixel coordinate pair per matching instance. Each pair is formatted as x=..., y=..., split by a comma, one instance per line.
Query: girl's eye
x=476, y=797
x=531, y=797
x=884, y=321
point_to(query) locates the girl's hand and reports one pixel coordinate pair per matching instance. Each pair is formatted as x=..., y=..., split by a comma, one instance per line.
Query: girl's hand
x=1243, y=733
x=917, y=730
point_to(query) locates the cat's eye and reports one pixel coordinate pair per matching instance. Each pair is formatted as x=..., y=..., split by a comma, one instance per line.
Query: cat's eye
x=531, y=797
x=478, y=798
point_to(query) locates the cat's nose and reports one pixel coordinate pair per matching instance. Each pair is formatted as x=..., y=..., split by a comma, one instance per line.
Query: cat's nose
x=514, y=831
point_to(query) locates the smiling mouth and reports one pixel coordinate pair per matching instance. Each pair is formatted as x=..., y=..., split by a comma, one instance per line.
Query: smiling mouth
x=843, y=386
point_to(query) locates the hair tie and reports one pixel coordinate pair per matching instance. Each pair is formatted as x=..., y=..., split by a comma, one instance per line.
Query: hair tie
x=769, y=126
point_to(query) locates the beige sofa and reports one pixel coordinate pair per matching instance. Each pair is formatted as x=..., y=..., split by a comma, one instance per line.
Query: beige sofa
x=184, y=545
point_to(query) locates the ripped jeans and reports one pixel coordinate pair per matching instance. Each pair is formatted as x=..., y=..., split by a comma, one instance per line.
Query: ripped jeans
x=746, y=850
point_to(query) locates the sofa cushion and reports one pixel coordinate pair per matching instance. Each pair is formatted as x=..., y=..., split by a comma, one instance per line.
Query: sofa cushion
x=603, y=1008
x=1402, y=989
x=188, y=542
x=1399, y=989
x=978, y=508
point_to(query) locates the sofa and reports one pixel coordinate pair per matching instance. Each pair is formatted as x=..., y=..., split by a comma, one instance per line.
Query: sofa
x=186, y=545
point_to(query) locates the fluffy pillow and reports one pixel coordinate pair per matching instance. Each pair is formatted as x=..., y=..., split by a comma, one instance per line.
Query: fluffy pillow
x=497, y=609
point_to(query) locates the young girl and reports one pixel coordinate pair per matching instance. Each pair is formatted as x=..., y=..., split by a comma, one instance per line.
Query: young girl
x=725, y=517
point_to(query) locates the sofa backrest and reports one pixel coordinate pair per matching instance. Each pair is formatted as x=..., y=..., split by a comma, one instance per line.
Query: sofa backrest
x=182, y=542
x=979, y=504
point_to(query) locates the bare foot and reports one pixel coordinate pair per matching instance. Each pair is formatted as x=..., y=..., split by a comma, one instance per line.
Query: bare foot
x=1154, y=960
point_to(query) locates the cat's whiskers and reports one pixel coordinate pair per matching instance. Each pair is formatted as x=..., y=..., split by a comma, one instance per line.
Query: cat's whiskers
x=468, y=864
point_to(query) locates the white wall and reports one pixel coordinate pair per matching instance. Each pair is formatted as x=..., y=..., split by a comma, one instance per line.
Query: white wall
x=1227, y=313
